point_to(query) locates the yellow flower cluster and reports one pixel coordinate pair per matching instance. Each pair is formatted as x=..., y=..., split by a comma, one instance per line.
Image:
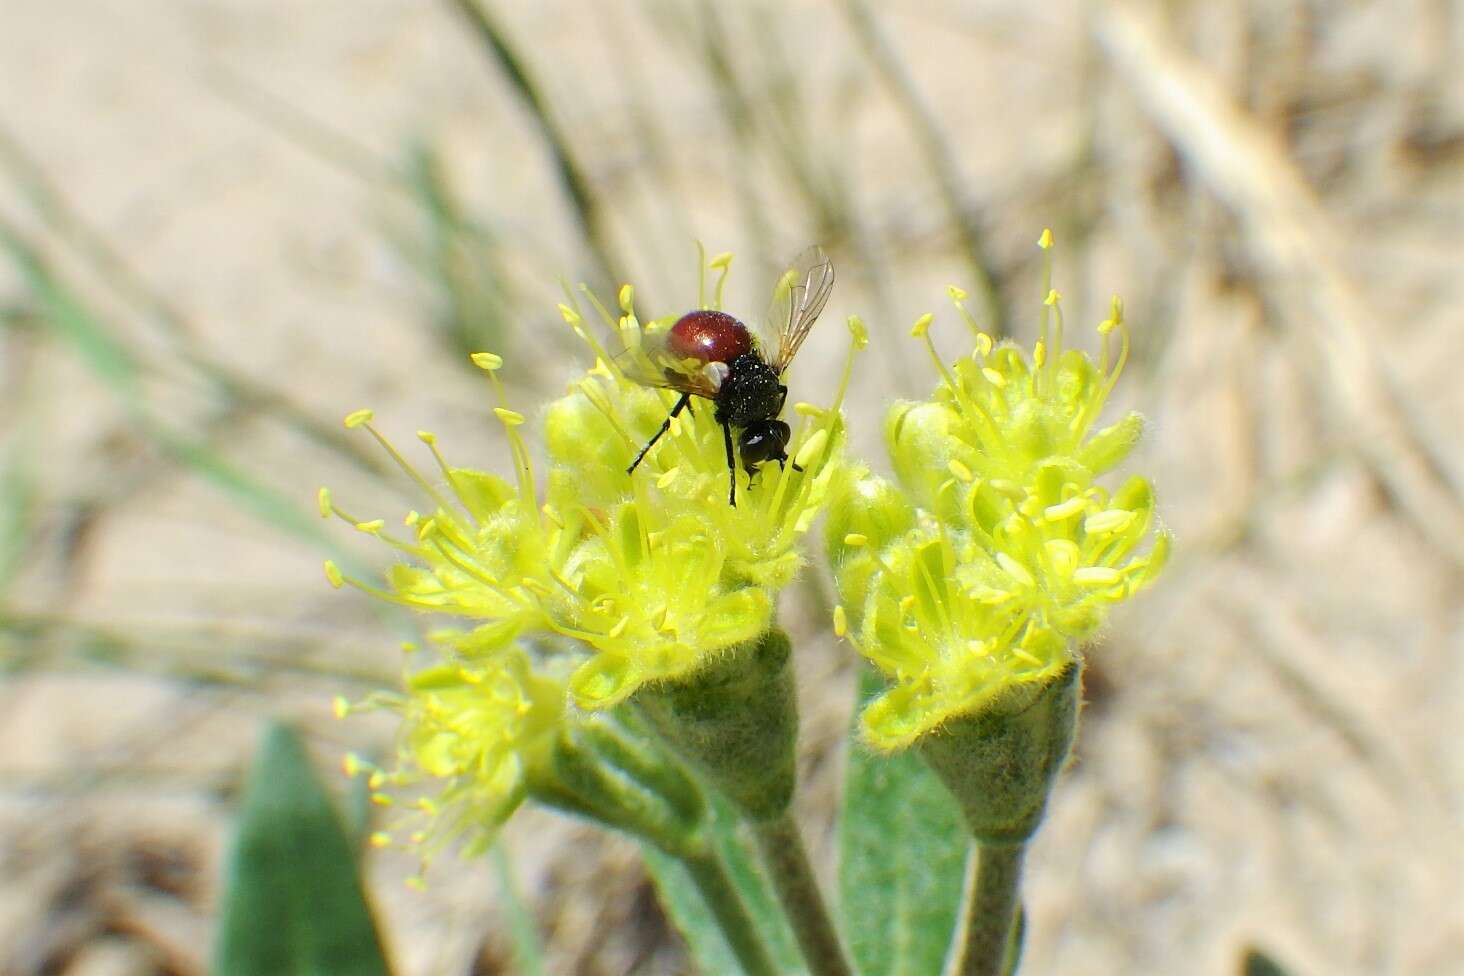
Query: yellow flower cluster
x=1001, y=553
x=639, y=579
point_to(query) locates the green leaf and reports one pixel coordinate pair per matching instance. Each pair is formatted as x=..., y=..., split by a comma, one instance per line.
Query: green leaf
x=293, y=905
x=1257, y=963
x=528, y=949
x=689, y=913
x=902, y=859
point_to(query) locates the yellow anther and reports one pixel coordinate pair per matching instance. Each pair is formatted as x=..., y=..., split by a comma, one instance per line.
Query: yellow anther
x=922, y=325
x=855, y=540
x=372, y=527
x=858, y=330
x=489, y=361
x=1045, y=241
x=359, y=417
x=627, y=298
x=510, y=418
x=957, y=294
x=1015, y=569
x=1039, y=354
x=380, y=839
x=1097, y=576
x=1052, y=297
x=333, y=573
x=668, y=478
x=619, y=627
x=990, y=595
x=340, y=706
x=1110, y=521
x=1067, y=509
x=810, y=451
x=565, y=312
x=984, y=344
x=721, y=262
x=841, y=622
x=961, y=472
x=996, y=379
x=383, y=800
x=426, y=437
x=323, y=498
x=1063, y=554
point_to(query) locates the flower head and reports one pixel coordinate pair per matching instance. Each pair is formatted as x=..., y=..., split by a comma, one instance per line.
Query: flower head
x=672, y=576
x=606, y=417
x=471, y=735
x=650, y=575
x=1011, y=553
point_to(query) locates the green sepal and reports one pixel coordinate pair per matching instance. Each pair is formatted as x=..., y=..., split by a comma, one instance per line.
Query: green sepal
x=1000, y=762
x=736, y=719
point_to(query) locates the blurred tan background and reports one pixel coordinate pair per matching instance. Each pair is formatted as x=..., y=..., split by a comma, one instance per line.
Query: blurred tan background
x=226, y=223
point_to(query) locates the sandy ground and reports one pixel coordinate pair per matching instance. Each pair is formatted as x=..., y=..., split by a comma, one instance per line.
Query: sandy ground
x=1270, y=755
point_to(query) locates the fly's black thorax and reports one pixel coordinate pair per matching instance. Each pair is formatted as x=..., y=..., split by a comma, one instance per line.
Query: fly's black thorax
x=750, y=392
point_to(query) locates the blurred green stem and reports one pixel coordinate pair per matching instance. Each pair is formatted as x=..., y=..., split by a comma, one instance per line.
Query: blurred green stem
x=926, y=128
x=990, y=906
x=726, y=906
x=786, y=861
x=572, y=178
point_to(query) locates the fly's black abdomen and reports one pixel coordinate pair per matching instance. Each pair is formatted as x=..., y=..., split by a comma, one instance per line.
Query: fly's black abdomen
x=750, y=392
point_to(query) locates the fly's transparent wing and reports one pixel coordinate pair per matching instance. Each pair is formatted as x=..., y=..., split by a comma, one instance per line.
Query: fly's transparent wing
x=798, y=298
x=645, y=359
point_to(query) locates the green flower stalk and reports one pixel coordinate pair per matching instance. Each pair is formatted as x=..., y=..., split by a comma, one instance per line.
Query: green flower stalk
x=973, y=584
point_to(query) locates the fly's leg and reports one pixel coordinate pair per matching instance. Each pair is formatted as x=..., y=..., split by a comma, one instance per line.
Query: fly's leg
x=783, y=399
x=731, y=464
x=683, y=404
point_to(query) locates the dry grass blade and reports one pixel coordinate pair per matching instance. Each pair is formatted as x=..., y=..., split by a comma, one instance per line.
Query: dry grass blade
x=576, y=184
x=1292, y=234
x=121, y=277
x=940, y=157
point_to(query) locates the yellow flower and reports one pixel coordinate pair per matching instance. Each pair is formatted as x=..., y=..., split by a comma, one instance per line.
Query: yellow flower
x=1008, y=554
x=947, y=647
x=999, y=415
x=471, y=734
x=594, y=431
x=484, y=550
x=672, y=576
x=653, y=574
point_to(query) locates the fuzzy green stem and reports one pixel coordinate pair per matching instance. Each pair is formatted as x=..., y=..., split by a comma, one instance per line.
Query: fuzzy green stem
x=985, y=933
x=786, y=860
x=721, y=896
